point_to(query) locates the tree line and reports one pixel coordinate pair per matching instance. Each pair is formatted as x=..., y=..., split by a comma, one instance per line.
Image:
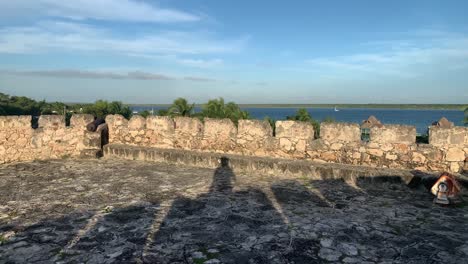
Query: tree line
x=215, y=108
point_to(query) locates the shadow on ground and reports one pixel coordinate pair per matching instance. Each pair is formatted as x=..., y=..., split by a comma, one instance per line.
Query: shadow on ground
x=241, y=220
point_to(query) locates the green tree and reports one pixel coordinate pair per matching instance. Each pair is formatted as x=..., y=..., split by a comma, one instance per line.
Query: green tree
x=145, y=113
x=102, y=108
x=181, y=107
x=216, y=108
x=328, y=120
x=303, y=115
x=163, y=112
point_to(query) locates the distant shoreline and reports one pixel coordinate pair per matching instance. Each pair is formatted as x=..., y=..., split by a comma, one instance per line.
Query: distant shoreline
x=459, y=107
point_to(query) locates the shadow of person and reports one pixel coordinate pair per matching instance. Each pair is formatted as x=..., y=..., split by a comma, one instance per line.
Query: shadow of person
x=223, y=177
x=223, y=225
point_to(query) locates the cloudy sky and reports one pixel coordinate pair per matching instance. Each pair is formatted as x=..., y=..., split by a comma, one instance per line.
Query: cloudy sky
x=141, y=51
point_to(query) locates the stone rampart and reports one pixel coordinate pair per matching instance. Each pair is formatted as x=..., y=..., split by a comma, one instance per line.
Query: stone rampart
x=52, y=139
x=390, y=146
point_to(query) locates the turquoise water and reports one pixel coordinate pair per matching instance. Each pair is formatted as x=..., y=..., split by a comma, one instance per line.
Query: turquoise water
x=419, y=118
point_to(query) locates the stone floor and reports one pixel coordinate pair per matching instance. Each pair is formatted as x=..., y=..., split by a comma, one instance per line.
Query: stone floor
x=115, y=211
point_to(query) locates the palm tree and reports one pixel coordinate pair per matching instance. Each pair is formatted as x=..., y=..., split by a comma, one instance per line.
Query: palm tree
x=180, y=107
x=216, y=108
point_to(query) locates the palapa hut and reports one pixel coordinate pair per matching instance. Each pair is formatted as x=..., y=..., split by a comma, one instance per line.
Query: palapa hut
x=372, y=121
x=443, y=123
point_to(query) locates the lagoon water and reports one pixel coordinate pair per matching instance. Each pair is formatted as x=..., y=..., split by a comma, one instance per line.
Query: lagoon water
x=419, y=118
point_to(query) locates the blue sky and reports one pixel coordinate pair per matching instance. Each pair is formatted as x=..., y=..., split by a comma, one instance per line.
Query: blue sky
x=258, y=51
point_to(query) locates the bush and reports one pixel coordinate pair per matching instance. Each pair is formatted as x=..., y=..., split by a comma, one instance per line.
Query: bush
x=103, y=108
x=216, y=108
x=272, y=123
x=303, y=115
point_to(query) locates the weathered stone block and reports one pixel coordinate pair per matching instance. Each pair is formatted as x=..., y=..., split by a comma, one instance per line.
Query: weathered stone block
x=52, y=121
x=390, y=156
x=375, y=152
x=418, y=157
x=448, y=136
x=161, y=124
x=455, y=154
x=219, y=135
x=340, y=132
x=116, y=121
x=137, y=122
x=393, y=134
x=294, y=129
x=219, y=128
x=15, y=121
x=256, y=129
x=187, y=125
x=81, y=120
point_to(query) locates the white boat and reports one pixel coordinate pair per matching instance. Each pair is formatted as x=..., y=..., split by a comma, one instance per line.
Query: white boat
x=336, y=110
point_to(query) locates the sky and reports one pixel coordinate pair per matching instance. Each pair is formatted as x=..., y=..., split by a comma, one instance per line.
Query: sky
x=302, y=51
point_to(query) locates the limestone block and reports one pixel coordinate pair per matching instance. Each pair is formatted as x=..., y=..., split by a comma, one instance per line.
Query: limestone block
x=15, y=121
x=187, y=125
x=285, y=144
x=393, y=134
x=137, y=122
x=256, y=129
x=340, y=132
x=295, y=130
x=160, y=124
x=219, y=128
x=390, y=156
x=418, y=157
x=116, y=121
x=454, y=167
x=328, y=156
x=336, y=146
x=448, y=136
x=81, y=120
x=52, y=122
x=455, y=154
x=375, y=152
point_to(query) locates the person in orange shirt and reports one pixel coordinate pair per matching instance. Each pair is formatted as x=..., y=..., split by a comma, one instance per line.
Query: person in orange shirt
x=446, y=189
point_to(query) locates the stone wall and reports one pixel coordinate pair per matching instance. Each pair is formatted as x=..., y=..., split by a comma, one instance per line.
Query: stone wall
x=390, y=146
x=52, y=139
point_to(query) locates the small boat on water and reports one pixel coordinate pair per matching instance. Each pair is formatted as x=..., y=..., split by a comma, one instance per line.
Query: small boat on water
x=336, y=110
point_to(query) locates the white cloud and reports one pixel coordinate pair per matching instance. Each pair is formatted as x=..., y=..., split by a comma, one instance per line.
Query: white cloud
x=87, y=74
x=401, y=58
x=199, y=63
x=199, y=79
x=100, y=74
x=53, y=36
x=112, y=10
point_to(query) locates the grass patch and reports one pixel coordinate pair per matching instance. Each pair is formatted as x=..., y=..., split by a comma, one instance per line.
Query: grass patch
x=3, y=240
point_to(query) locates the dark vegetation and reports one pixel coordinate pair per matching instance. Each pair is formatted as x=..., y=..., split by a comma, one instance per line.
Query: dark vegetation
x=466, y=116
x=21, y=105
x=376, y=106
